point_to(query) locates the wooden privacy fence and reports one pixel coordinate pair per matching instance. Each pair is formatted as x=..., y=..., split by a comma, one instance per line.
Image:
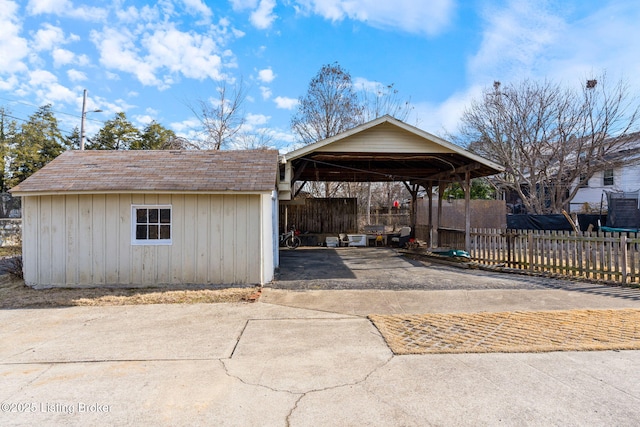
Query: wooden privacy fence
x=602, y=256
x=333, y=215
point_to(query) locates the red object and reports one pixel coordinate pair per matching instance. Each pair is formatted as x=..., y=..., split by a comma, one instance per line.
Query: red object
x=396, y=204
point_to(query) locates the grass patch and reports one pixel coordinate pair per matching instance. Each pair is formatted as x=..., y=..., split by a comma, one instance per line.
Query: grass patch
x=15, y=294
x=10, y=251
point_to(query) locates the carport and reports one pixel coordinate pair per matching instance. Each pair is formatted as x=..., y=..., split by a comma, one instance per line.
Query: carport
x=385, y=150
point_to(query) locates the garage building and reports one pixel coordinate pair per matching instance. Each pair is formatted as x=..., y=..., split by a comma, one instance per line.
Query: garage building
x=148, y=218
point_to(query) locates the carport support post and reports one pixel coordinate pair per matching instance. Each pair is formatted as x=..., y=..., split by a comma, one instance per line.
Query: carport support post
x=441, y=186
x=467, y=211
x=430, y=215
x=414, y=209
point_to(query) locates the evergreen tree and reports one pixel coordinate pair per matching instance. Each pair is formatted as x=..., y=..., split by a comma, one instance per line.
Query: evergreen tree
x=8, y=129
x=116, y=134
x=156, y=137
x=36, y=143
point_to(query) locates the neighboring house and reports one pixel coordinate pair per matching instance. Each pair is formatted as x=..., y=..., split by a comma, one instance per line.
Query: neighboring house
x=142, y=218
x=623, y=178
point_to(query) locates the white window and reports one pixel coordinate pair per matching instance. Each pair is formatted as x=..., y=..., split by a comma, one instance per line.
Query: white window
x=608, y=177
x=151, y=224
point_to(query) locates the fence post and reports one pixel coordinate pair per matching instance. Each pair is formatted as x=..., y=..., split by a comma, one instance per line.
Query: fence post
x=623, y=255
x=530, y=237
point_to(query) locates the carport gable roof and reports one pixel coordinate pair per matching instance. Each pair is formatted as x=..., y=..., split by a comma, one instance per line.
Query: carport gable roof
x=162, y=171
x=386, y=149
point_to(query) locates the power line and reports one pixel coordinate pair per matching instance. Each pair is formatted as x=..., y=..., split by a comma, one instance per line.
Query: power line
x=79, y=116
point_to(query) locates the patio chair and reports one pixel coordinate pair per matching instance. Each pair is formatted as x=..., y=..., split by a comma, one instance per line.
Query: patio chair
x=402, y=238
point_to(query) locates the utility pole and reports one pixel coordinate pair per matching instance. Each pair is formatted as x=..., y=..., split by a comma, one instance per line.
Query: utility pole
x=84, y=116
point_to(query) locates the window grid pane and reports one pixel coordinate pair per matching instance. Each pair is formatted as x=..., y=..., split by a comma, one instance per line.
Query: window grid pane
x=608, y=177
x=165, y=216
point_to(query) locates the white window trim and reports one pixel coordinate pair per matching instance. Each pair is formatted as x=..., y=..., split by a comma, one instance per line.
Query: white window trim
x=612, y=177
x=152, y=242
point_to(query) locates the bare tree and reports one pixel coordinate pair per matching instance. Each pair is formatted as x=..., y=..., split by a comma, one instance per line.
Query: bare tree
x=548, y=137
x=333, y=104
x=383, y=100
x=257, y=139
x=222, y=117
x=330, y=106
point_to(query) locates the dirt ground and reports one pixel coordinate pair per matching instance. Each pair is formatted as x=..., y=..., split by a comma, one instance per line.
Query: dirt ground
x=15, y=294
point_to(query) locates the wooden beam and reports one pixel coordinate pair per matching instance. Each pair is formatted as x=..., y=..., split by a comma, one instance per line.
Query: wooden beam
x=462, y=170
x=300, y=189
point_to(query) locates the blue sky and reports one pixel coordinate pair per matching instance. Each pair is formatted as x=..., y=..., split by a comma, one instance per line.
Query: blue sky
x=150, y=59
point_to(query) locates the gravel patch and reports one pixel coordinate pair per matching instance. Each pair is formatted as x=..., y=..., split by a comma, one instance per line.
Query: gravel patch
x=511, y=332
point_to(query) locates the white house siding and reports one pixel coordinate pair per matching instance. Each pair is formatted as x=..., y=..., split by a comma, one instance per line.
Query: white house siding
x=85, y=240
x=625, y=178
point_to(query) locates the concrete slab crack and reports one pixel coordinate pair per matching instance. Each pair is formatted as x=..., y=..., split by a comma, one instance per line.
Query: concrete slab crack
x=44, y=371
x=308, y=392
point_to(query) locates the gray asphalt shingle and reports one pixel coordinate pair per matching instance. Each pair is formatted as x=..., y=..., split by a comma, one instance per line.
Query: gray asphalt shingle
x=166, y=170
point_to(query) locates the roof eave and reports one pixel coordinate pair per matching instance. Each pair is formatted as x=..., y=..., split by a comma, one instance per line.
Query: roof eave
x=110, y=192
x=301, y=152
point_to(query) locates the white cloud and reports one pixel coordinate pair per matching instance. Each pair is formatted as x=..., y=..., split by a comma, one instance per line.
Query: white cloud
x=192, y=55
x=45, y=85
x=143, y=119
x=186, y=126
x=405, y=15
x=158, y=53
x=62, y=57
x=118, y=51
x=83, y=60
x=285, y=103
x=9, y=84
x=198, y=6
x=443, y=118
x=66, y=8
x=266, y=75
x=42, y=78
x=13, y=47
x=263, y=16
x=243, y=4
x=37, y=7
x=265, y=92
x=48, y=37
x=361, y=83
x=515, y=40
x=532, y=39
x=253, y=120
x=76, y=76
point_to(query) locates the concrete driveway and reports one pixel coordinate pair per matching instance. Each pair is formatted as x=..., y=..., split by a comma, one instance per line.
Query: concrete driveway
x=362, y=281
x=386, y=268
x=308, y=361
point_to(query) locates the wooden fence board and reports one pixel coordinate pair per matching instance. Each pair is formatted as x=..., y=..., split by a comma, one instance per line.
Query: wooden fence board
x=601, y=256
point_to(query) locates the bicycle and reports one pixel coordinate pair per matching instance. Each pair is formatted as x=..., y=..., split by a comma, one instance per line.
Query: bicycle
x=290, y=239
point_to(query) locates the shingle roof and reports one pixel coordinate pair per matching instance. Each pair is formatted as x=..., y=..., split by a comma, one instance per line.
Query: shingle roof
x=163, y=171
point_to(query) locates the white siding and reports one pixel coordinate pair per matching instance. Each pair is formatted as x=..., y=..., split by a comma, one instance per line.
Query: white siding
x=85, y=240
x=625, y=178
x=385, y=138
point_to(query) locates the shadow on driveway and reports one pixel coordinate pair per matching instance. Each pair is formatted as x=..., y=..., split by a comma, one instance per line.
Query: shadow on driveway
x=385, y=268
